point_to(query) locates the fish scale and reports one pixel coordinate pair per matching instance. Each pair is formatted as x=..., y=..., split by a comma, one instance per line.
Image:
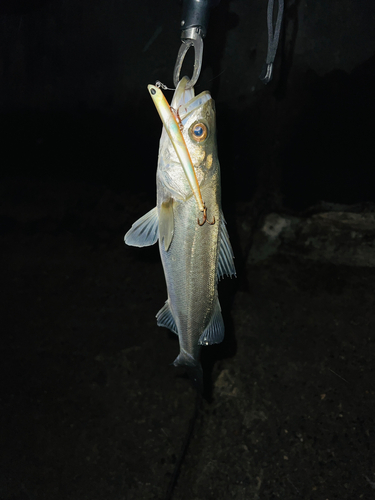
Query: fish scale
x=191, y=281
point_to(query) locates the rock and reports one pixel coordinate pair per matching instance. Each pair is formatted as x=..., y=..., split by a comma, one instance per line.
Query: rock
x=340, y=237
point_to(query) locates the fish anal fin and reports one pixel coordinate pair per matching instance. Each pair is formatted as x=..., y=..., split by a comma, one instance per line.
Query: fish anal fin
x=165, y=318
x=144, y=232
x=166, y=223
x=214, y=333
x=225, y=263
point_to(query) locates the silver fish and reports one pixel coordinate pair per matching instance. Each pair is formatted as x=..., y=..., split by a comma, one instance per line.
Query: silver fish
x=194, y=254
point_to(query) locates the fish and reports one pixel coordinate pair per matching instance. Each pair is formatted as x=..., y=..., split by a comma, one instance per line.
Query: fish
x=189, y=224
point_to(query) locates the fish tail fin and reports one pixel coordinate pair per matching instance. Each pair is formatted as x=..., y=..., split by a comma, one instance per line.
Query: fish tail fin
x=193, y=368
x=195, y=374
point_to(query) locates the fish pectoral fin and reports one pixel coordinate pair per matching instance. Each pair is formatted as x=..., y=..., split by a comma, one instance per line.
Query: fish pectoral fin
x=144, y=232
x=225, y=263
x=214, y=333
x=165, y=318
x=166, y=223
x=172, y=184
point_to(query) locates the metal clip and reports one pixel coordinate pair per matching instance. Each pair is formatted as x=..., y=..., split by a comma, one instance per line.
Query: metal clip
x=191, y=37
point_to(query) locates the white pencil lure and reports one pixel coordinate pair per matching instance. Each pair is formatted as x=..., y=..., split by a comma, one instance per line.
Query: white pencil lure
x=173, y=130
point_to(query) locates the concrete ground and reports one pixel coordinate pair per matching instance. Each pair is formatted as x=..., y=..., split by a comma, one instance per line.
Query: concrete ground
x=92, y=409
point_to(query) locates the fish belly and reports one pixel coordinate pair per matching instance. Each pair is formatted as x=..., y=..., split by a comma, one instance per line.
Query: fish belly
x=190, y=267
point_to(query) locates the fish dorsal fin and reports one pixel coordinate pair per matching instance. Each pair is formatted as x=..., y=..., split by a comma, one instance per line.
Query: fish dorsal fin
x=166, y=223
x=214, y=333
x=144, y=232
x=165, y=318
x=225, y=265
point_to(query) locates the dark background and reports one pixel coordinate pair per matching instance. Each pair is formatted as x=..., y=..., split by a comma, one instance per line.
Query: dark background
x=75, y=106
x=89, y=406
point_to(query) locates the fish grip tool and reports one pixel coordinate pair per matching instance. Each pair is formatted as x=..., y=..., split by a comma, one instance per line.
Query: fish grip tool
x=195, y=15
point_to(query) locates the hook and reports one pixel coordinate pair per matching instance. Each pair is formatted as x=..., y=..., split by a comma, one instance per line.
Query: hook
x=205, y=218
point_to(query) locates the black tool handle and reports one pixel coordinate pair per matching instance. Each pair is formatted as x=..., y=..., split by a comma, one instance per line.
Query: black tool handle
x=195, y=14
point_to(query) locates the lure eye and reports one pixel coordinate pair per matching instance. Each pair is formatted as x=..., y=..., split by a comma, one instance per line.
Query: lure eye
x=199, y=132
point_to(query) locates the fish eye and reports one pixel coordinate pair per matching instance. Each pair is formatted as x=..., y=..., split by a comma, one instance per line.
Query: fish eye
x=199, y=132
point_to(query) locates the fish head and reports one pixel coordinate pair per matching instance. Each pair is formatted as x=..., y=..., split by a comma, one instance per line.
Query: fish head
x=197, y=120
x=198, y=124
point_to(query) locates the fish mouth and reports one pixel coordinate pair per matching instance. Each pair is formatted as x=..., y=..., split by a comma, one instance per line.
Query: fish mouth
x=185, y=101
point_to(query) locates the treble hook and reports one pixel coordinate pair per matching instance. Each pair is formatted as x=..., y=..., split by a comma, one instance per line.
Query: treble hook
x=205, y=218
